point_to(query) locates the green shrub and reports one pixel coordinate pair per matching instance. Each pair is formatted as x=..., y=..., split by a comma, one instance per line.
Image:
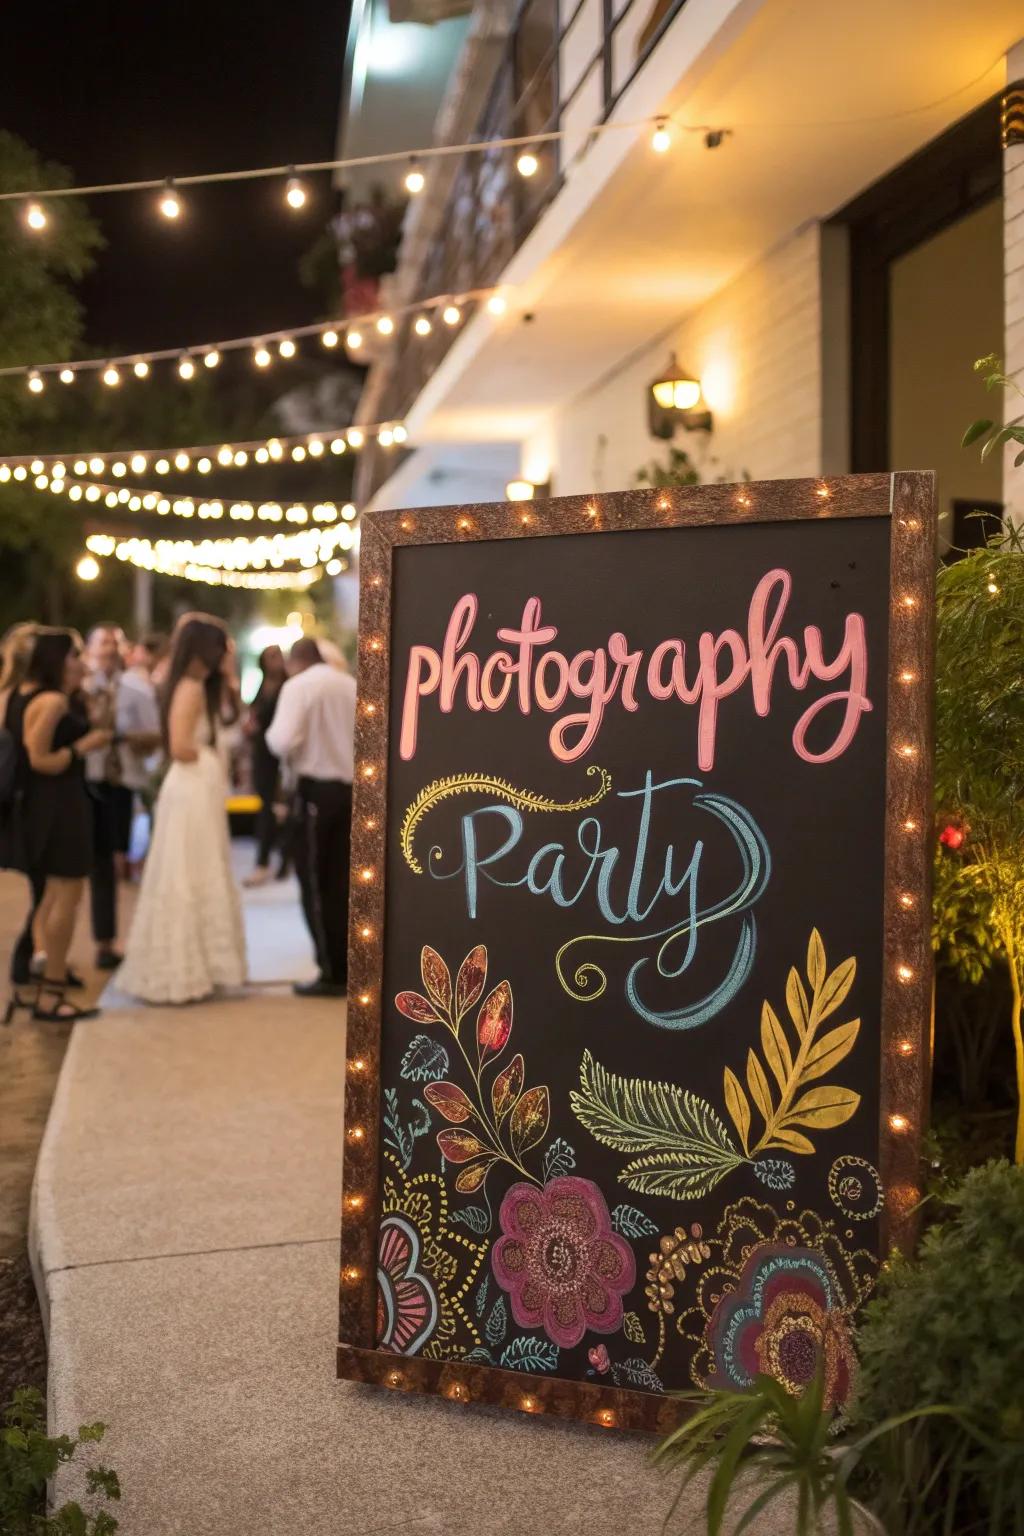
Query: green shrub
x=29, y=1458
x=948, y=1327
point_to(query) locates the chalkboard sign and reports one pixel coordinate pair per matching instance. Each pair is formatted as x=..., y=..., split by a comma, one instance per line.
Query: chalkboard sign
x=640, y=962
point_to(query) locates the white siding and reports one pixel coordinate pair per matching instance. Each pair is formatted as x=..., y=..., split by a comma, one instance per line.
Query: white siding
x=757, y=347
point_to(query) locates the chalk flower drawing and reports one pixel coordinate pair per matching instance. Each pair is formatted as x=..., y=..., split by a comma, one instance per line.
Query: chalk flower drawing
x=680, y=1145
x=778, y=1297
x=563, y=1267
x=484, y=1127
x=425, y=1270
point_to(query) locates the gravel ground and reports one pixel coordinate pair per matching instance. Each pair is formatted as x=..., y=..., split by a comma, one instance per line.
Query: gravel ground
x=22, y=1345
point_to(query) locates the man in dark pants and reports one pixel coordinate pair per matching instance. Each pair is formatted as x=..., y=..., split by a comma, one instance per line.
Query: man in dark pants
x=112, y=799
x=313, y=727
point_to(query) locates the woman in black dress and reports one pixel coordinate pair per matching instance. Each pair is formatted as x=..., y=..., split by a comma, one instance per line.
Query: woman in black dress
x=52, y=828
x=265, y=767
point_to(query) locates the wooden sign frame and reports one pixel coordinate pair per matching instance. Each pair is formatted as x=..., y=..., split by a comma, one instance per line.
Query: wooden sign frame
x=908, y=501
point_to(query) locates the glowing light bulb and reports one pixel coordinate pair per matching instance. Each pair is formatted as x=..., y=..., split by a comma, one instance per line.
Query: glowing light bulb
x=452, y=314
x=497, y=304
x=287, y=347
x=162, y=466
x=334, y=567
x=905, y=973
x=186, y=368
x=354, y=340
x=527, y=164
x=170, y=203
x=119, y=469
x=224, y=455
x=204, y=466
x=111, y=377
x=422, y=326
x=274, y=448
x=211, y=358
x=181, y=461
x=35, y=382
x=294, y=193
x=898, y=1122
x=348, y=512
x=661, y=139
x=329, y=338
x=385, y=437
x=261, y=357
x=67, y=375
x=240, y=458
x=399, y=433
x=356, y=438
x=338, y=445
x=88, y=568
x=96, y=466
x=385, y=325
x=415, y=180
x=35, y=216
x=140, y=369
x=298, y=453
x=316, y=448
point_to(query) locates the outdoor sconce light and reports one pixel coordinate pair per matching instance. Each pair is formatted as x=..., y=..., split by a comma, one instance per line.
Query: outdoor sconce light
x=525, y=490
x=672, y=401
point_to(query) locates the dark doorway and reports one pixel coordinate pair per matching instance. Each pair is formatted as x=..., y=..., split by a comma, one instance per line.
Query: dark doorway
x=925, y=263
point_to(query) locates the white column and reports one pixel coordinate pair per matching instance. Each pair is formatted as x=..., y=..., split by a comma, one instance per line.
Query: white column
x=1013, y=292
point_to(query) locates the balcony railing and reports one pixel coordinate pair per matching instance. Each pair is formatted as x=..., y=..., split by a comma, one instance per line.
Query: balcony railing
x=564, y=67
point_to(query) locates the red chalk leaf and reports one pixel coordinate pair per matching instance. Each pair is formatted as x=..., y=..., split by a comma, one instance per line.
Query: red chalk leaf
x=471, y=978
x=449, y=1100
x=472, y=1178
x=436, y=978
x=507, y=1087
x=530, y=1118
x=494, y=1021
x=416, y=1007
x=459, y=1146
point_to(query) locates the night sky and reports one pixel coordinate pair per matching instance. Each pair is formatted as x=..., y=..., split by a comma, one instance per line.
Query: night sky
x=121, y=89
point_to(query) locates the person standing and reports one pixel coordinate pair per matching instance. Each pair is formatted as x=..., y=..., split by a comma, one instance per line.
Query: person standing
x=266, y=770
x=314, y=727
x=112, y=798
x=52, y=834
x=187, y=937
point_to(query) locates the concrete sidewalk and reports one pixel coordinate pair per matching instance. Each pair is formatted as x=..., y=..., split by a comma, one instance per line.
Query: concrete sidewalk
x=185, y=1237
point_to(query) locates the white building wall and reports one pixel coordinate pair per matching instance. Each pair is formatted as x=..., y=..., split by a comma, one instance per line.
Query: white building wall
x=757, y=347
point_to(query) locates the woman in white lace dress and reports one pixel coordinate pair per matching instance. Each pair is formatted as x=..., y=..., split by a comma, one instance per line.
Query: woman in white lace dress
x=187, y=937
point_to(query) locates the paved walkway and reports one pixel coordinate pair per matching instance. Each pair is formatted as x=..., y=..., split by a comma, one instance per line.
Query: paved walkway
x=185, y=1237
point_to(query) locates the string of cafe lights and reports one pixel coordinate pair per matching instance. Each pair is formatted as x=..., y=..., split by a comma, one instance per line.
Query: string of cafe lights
x=308, y=548
x=202, y=457
x=37, y=204
x=265, y=346
x=126, y=498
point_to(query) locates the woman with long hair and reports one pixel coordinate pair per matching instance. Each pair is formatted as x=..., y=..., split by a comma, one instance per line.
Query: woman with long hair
x=187, y=937
x=266, y=770
x=50, y=832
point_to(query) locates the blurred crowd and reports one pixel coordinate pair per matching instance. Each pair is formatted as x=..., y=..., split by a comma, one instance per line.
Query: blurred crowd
x=116, y=763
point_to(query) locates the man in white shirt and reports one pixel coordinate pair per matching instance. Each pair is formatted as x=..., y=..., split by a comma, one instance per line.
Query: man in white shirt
x=313, y=727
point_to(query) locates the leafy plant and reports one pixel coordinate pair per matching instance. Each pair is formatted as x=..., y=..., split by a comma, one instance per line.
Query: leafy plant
x=946, y=1328
x=685, y=1147
x=678, y=469
x=979, y=758
x=768, y=1444
x=29, y=1457
x=986, y=431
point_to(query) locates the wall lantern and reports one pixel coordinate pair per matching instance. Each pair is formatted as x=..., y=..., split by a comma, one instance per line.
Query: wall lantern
x=525, y=490
x=672, y=401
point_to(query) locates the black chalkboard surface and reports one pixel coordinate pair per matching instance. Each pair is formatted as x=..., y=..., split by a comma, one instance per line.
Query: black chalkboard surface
x=639, y=940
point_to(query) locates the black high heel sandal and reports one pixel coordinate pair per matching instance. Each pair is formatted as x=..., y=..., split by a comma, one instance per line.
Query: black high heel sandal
x=63, y=1011
x=14, y=1002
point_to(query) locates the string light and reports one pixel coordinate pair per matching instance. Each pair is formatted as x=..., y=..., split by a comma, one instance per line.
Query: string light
x=186, y=368
x=88, y=568
x=422, y=326
x=527, y=164
x=35, y=216
x=287, y=347
x=212, y=351
x=67, y=375
x=452, y=314
x=111, y=377
x=170, y=202
x=35, y=383
x=661, y=139
x=294, y=192
x=415, y=180
x=261, y=357
x=497, y=304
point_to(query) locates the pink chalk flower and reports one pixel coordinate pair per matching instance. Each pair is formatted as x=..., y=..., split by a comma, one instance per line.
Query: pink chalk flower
x=564, y=1268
